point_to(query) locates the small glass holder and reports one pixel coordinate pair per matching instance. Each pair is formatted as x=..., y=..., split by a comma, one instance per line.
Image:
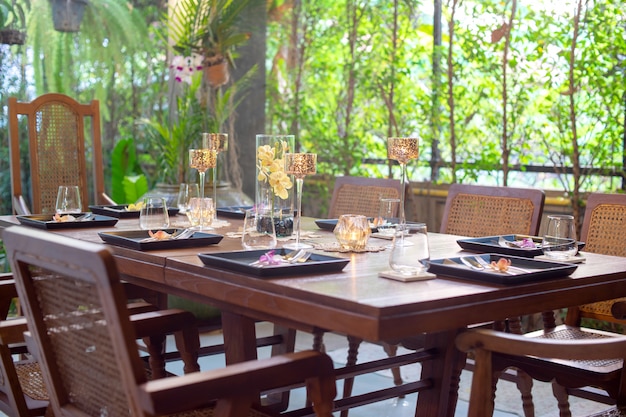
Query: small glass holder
x=352, y=231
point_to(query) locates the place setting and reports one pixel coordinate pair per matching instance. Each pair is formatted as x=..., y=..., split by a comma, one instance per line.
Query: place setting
x=68, y=213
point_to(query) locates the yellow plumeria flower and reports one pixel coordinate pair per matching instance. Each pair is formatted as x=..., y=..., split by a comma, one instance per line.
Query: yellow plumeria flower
x=134, y=207
x=280, y=183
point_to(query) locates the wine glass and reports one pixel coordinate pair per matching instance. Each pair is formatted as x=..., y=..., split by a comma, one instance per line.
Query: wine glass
x=217, y=142
x=402, y=150
x=202, y=159
x=299, y=165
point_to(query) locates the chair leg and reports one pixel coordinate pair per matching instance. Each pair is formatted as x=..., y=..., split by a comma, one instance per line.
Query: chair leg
x=155, y=346
x=525, y=386
x=562, y=397
x=188, y=344
x=348, y=383
x=391, y=351
x=318, y=340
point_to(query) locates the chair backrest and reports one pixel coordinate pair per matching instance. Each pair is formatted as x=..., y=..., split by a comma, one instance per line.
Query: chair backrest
x=76, y=310
x=360, y=195
x=58, y=151
x=476, y=210
x=604, y=225
x=603, y=231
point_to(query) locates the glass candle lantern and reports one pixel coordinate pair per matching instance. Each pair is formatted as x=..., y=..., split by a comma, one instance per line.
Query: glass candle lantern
x=352, y=231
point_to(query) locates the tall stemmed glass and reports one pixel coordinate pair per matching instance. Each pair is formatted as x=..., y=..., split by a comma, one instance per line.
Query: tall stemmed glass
x=217, y=142
x=299, y=165
x=402, y=150
x=202, y=159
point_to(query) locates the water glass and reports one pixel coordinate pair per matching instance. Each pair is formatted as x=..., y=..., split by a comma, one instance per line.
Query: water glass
x=388, y=216
x=559, y=242
x=410, y=259
x=153, y=214
x=68, y=200
x=258, y=230
x=185, y=193
x=200, y=212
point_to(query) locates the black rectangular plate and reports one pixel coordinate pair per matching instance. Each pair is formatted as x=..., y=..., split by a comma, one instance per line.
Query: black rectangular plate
x=120, y=211
x=132, y=239
x=235, y=212
x=240, y=261
x=538, y=270
x=490, y=244
x=329, y=224
x=44, y=221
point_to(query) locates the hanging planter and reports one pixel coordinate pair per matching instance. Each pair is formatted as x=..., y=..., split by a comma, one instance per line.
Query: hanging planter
x=216, y=71
x=12, y=23
x=12, y=37
x=68, y=14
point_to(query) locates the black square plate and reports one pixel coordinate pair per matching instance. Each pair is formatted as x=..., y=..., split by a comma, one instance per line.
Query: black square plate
x=133, y=239
x=234, y=212
x=534, y=270
x=44, y=221
x=120, y=211
x=491, y=244
x=240, y=261
x=329, y=224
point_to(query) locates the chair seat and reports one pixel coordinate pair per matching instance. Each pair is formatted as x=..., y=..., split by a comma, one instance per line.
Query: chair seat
x=31, y=380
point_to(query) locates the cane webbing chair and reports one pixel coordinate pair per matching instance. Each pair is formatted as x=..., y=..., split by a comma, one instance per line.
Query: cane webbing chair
x=58, y=152
x=476, y=210
x=81, y=335
x=603, y=231
x=489, y=346
x=359, y=195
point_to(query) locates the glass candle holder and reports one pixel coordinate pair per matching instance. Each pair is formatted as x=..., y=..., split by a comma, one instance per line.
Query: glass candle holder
x=352, y=231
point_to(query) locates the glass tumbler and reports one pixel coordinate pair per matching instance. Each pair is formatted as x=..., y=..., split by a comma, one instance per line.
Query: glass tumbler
x=68, y=200
x=200, y=212
x=153, y=214
x=559, y=241
x=410, y=259
x=388, y=216
x=185, y=193
x=259, y=231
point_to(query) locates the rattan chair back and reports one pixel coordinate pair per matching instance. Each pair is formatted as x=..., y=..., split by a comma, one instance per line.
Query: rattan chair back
x=58, y=152
x=603, y=231
x=85, y=343
x=360, y=195
x=77, y=314
x=475, y=210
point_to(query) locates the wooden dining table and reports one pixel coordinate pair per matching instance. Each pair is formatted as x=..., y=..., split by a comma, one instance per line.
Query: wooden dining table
x=356, y=301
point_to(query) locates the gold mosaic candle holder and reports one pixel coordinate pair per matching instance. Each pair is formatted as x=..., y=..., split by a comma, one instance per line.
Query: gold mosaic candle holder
x=299, y=165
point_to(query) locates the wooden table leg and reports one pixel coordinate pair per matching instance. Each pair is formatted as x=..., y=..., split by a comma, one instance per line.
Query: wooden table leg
x=239, y=337
x=444, y=372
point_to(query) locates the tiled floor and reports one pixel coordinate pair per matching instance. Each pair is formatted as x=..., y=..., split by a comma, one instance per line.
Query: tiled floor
x=508, y=403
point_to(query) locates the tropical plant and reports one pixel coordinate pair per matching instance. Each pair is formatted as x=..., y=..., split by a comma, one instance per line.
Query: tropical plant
x=12, y=14
x=207, y=28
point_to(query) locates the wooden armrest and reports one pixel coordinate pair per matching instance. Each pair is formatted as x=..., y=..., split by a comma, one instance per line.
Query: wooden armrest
x=12, y=331
x=19, y=205
x=245, y=379
x=105, y=199
x=512, y=344
x=161, y=321
x=6, y=276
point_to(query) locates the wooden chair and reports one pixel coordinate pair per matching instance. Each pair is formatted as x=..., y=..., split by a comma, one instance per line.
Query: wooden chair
x=603, y=231
x=85, y=343
x=489, y=346
x=476, y=210
x=58, y=151
x=359, y=195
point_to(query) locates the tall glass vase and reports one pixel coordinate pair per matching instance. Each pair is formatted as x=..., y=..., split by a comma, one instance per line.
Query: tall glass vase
x=270, y=153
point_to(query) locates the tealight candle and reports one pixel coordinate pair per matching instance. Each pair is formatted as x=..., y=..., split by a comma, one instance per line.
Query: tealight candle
x=352, y=231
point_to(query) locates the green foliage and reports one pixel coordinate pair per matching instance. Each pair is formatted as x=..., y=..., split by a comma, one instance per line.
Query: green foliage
x=128, y=181
x=13, y=14
x=207, y=27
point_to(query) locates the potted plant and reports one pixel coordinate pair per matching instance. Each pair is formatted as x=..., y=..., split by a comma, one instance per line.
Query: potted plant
x=12, y=23
x=67, y=15
x=208, y=28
